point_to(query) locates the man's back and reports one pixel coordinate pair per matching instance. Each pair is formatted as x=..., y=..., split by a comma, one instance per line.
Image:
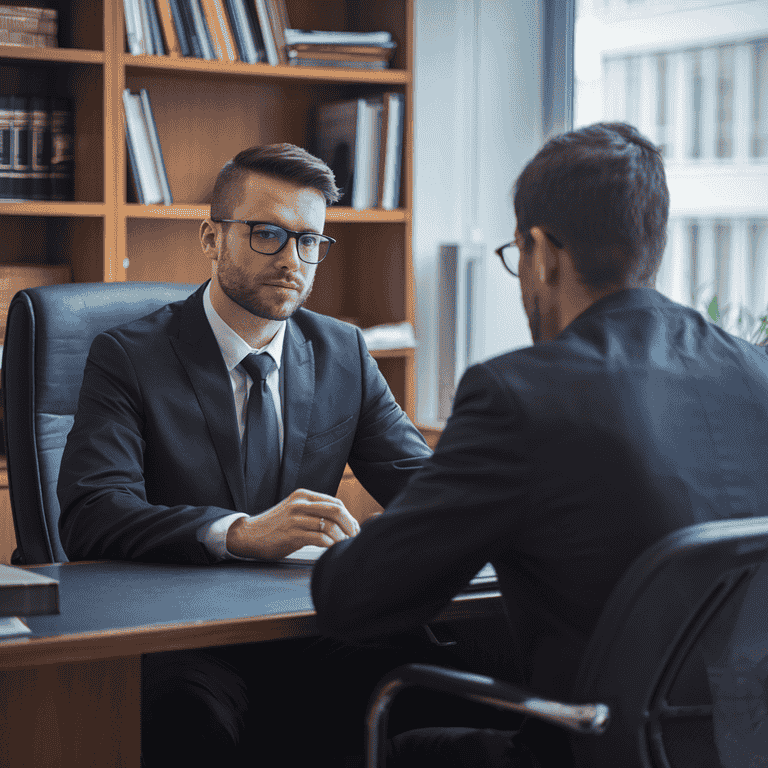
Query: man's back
x=560, y=464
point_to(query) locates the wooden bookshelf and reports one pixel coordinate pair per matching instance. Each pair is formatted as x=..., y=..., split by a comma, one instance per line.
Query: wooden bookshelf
x=207, y=111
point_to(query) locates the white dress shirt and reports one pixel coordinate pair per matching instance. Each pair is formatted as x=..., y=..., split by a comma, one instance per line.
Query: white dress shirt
x=234, y=350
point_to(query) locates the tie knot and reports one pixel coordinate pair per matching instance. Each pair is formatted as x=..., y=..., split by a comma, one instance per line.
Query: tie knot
x=258, y=366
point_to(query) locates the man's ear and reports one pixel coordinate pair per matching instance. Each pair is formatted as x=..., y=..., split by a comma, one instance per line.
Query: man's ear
x=546, y=257
x=208, y=233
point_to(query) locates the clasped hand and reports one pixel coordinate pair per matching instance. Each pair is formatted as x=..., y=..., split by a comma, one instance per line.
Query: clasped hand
x=304, y=517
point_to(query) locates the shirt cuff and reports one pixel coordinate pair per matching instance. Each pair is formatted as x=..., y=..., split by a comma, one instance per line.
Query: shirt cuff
x=214, y=537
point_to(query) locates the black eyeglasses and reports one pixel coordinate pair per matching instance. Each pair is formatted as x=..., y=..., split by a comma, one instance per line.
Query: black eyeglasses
x=508, y=253
x=269, y=239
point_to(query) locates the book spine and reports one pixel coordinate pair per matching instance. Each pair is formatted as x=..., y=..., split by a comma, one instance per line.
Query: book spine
x=62, y=148
x=251, y=22
x=133, y=168
x=227, y=31
x=189, y=24
x=214, y=24
x=180, y=25
x=238, y=33
x=394, y=150
x=21, y=131
x=6, y=148
x=28, y=39
x=278, y=30
x=266, y=32
x=146, y=32
x=171, y=37
x=375, y=110
x=157, y=152
x=154, y=25
x=35, y=13
x=137, y=131
x=27, y=600
x=40, y=149
x=16, y=23
x=362, y=157
x=201, y=30
x=130, y=14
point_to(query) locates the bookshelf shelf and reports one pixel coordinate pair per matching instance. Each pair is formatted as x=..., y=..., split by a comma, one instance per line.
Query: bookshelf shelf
x=52, y=55
x=50, y=208
x=381, y=354
x=391, y=77
x=334, y=214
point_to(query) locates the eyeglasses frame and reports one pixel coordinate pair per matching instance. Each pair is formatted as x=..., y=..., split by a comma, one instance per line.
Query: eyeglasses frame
x=294, y=235
x=500, y=251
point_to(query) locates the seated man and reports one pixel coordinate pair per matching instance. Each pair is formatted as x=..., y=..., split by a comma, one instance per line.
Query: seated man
x=153, y=468
x=629, y=417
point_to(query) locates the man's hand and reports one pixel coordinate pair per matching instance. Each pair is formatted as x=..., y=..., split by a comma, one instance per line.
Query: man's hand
x=304, y=517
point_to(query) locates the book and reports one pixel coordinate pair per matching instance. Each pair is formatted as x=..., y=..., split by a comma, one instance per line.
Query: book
x=155, y=32
x=249, y=45
x=221, y=35
x=6, y=148
x=393, y=121
x=266, y=32
x=145, y=32
x=26, y=593
x=180, y=25
x=16, y=22
x=28, y=39
x=201, y=30
x=375, y=111
x=133, y=171
x=136, y=134
x=278, y=30
x=154, y=140
x=62, y=148
x=315, y=37
x=189, y=25
x=132, y=27
x=39, y=149
x=170, y=36
x=20, y=130
x=36, y=13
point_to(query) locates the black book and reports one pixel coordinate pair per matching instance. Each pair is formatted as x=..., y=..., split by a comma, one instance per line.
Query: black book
x=6, y=148
x=20, y=132
x=62, y=149
x=154, y=29
x=39, y=149
x=189, y=26
x=250, y=46
x=26, y=593
x=181, y=28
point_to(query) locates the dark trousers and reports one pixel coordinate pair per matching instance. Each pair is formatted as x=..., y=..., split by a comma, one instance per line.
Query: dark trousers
x=290, y=702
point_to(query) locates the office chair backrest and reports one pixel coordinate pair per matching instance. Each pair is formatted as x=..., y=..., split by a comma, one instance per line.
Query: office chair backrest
x=665, y=638
x=48, y=335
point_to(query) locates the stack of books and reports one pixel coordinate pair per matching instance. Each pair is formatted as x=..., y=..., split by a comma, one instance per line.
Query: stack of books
x=251, y=31
x=362, y=142
x=36, y=148
x=35, y=27
x=359, y=50
x=145, y=157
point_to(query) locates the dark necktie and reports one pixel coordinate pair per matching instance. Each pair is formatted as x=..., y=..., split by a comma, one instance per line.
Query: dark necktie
x=261, y=446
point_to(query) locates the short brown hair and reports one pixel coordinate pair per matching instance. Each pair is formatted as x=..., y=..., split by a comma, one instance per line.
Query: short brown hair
x=284, y=161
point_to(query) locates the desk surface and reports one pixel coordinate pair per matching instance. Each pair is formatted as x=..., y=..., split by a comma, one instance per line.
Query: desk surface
x=111, y=609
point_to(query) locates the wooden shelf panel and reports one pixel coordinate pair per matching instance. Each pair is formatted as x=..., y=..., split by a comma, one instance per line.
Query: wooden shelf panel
x=266, y=71
x=50, y=208
x=52, y=55
x=380, y=354
x=333, y=214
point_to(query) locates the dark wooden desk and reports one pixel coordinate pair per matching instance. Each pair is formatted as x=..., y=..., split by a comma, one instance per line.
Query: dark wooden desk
x=70, y=693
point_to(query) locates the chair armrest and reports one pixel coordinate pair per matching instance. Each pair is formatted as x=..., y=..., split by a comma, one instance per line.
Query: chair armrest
x=583, y=718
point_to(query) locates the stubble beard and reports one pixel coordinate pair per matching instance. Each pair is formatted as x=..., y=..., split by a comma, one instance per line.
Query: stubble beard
x=234, y=284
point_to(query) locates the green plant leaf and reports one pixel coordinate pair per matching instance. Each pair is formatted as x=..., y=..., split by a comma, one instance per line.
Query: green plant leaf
x=713, y=311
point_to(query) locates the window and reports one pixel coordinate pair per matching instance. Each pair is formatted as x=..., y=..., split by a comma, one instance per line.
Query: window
x=692, y=75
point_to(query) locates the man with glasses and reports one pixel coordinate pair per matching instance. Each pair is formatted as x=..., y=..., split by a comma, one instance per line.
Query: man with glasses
x=219, y=428
x=630, y=417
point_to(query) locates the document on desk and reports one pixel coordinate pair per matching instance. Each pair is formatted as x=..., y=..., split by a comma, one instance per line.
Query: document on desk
x=309, y=554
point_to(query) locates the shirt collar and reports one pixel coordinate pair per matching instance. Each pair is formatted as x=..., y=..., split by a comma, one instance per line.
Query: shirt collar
x=233, y=348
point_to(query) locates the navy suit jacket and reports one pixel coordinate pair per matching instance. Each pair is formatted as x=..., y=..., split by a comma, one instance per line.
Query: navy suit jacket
x=560, y=464
x=154, y=452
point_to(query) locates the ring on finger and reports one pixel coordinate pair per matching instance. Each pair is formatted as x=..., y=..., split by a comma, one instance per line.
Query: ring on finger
x=322, y=524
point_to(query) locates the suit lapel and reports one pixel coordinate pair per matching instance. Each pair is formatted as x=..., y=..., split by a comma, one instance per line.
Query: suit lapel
x=199, y=354
x=299, y=377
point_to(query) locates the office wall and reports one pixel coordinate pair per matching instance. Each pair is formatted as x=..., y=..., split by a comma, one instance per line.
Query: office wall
x=463, y=195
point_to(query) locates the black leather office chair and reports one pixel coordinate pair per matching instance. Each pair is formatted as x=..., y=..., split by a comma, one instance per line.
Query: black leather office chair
x=688, y=617
x=48, y=335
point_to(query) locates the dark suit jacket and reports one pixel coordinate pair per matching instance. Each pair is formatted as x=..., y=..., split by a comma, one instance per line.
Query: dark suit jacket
x=154, y=452
x=560, y=464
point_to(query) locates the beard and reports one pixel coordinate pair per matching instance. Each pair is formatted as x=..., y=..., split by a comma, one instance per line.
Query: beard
x=244, y=290
x=534, y=321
